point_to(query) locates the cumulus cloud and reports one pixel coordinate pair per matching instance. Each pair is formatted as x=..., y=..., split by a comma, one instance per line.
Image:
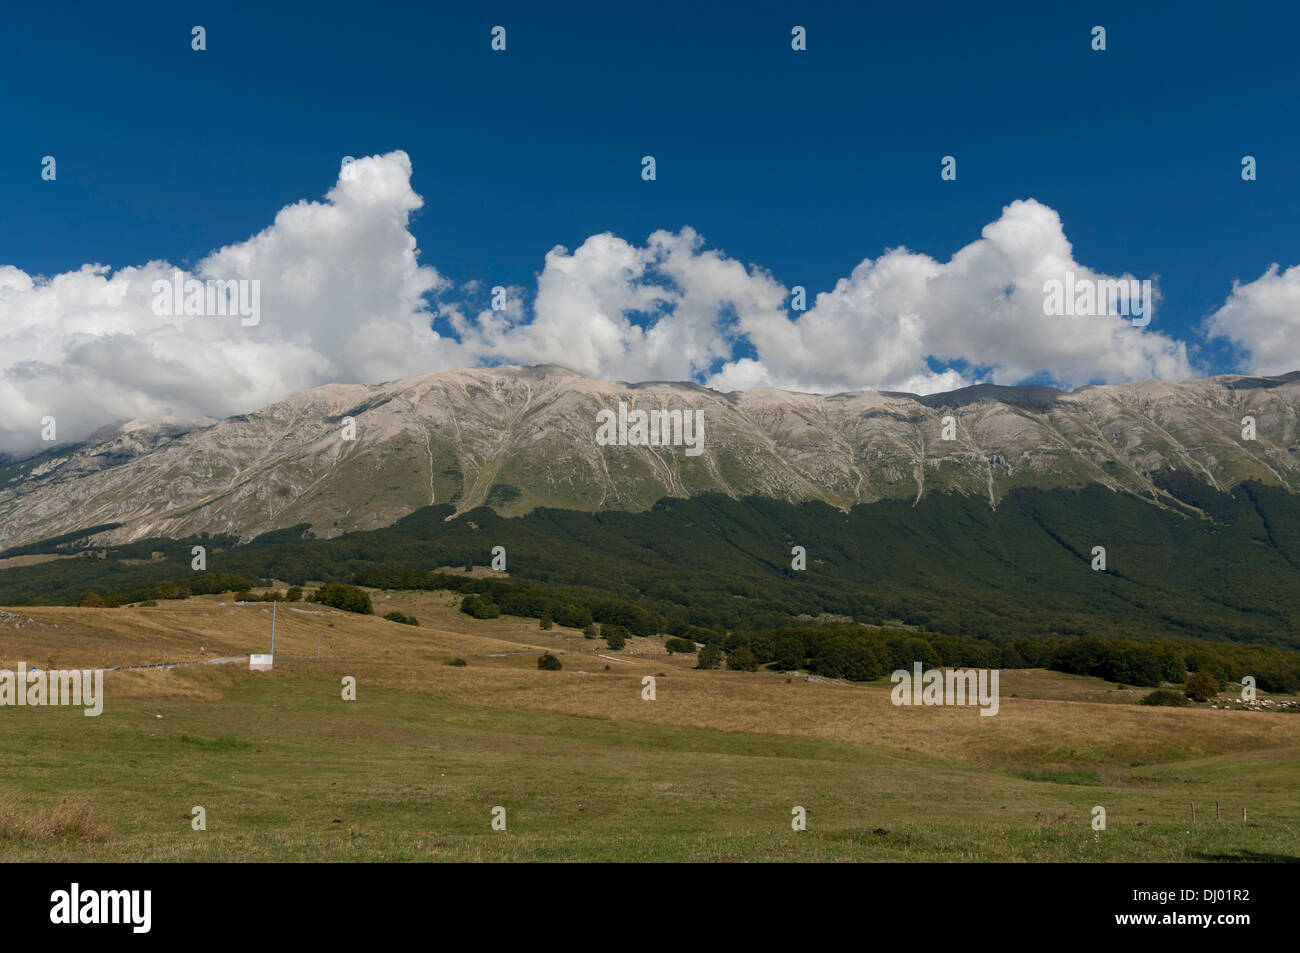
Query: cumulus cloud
x=666, y=311
x=1262, y=319
x=891, y=318
x=344, y=297
x=674, y=310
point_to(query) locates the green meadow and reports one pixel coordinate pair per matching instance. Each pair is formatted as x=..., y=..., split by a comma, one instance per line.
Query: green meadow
x=583, y=766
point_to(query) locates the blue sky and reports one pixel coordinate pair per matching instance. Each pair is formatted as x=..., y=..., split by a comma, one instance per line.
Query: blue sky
x=799, y=164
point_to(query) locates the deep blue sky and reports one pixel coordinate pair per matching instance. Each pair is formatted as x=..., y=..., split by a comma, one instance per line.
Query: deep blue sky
x=802, y=163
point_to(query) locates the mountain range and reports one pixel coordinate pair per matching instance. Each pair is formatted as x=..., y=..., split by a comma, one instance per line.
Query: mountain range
x=343, y=458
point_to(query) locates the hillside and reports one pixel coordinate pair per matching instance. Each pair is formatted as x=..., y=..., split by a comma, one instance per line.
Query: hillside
x=515, y=439
x=949, y=564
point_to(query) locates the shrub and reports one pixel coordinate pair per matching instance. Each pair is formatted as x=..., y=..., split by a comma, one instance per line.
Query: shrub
x=679, y=645
x=245, y=596
x=1165, y=696
x=479, y=607
x=92, y=600
x=573, y=617
x=1202, y=686
x=741, y=659
x=458, y=662
x=546, y=621
x=549, y=663
x=709, y=657
x=591, y=631
x=294, y=594
x=614, y=638
x=788, y=654
x=345, y=597
x=396, y=616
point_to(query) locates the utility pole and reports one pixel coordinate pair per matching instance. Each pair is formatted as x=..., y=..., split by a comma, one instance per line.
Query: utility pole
x=273, y=605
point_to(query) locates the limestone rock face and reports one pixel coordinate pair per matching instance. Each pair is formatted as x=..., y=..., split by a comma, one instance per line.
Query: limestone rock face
x=515, y=438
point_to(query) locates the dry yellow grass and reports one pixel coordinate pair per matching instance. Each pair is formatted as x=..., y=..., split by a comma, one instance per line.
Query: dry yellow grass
x=13, y=562
x=1046, y=719
x=589, y=769
x=71, y=820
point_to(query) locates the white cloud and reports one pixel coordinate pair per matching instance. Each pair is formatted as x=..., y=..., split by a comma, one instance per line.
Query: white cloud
x=878, y=327
x=344, y=297
x=1262, y=319
x=582, y=314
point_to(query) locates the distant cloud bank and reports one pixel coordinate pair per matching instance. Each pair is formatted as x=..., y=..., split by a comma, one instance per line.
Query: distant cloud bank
x=344, y=297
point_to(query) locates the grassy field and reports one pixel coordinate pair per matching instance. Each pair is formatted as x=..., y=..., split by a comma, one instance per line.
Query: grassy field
x=583, y=766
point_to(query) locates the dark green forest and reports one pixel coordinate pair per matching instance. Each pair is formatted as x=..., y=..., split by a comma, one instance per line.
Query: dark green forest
x=1221, y=569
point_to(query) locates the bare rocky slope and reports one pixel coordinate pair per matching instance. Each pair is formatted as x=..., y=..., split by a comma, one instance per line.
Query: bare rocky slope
x=515, y=438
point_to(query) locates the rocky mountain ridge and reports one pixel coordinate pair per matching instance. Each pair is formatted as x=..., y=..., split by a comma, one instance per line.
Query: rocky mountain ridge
x=351, y=457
